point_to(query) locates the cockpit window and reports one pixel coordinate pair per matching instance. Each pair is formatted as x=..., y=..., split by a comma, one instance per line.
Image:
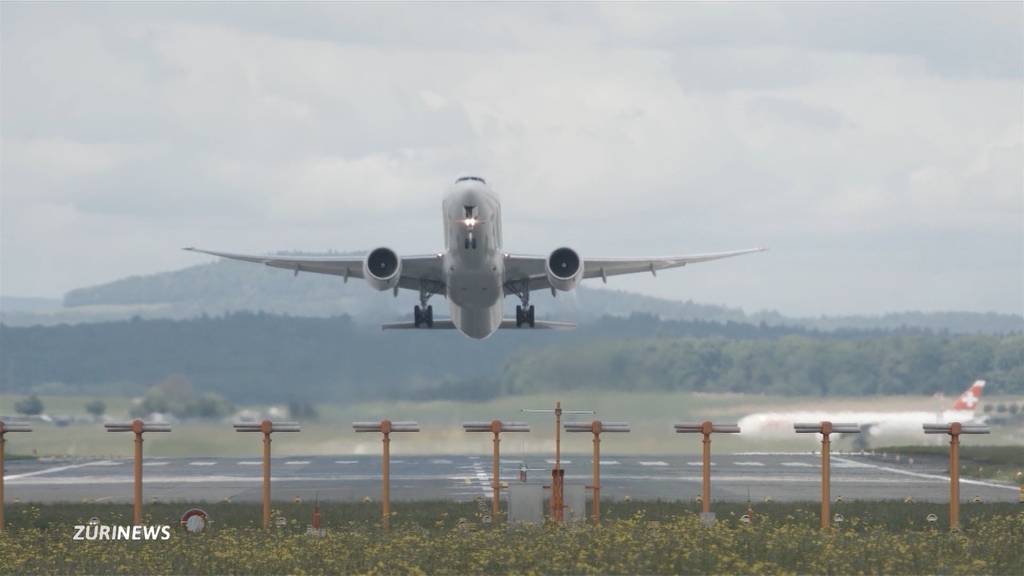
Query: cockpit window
x=473, y=178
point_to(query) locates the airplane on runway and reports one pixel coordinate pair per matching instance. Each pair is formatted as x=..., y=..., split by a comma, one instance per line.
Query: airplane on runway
x=876, y=423
x=474, y=272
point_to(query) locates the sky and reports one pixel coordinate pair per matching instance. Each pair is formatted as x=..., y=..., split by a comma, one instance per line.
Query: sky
x=877, y=149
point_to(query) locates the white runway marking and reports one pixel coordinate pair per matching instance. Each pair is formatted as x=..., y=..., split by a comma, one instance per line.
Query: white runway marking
x=440, y=461
x=398, y=461
x=609, y=462
x=929, y=476
x=55, y=469
x=745, y=463
x=250, y=463
x=346, y=461
x=297, y=462
x=483, y=479
x=164, y=463
x=798, y=464
x=104, y=463
x=653, y=463
x=201, y=463
x=504, y=461
x=699, y=464
x=564, y=461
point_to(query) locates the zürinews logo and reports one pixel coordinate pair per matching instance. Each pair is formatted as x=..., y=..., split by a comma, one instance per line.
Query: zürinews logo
x=97, y=531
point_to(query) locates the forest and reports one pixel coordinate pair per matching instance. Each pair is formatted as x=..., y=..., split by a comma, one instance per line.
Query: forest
x=255, y=357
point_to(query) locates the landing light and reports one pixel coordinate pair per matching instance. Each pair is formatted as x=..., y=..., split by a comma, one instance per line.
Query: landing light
x=470, y=222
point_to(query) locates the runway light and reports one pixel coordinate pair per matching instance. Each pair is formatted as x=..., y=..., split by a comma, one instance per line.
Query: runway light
x=5, y=427
x=495, y=427
x=932, y=518
x=826, y=429
x=596, y=428
x=557, y=474
x=267, y=427
x=386, y=427
x=954, y=430
x=707, y=428
x=138, y=427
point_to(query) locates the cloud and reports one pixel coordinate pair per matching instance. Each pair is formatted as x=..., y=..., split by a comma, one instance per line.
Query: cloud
x=864, y=143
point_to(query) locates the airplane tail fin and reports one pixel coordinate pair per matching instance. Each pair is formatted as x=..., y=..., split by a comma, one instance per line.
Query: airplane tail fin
x=970, y=398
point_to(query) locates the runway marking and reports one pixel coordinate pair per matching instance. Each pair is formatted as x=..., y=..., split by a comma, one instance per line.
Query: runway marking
x=346, y=461
x=552, y=461
x=653, y=463
x=699, y=464
x=297, y=462
x=609, y=462
x=201, y=463
x=398, y=461
x=929, y=476
x=504, y=461
x=747, y=463
x=164, y=463
x=440, y=461
x=104, y=463
x=481, y=477
x=250, y=463
x=799, y=464
x=55, y=469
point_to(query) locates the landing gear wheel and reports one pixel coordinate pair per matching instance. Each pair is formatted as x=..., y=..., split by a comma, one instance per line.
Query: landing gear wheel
x=520, y=317
x=417, y=316
x=529, y=316
x=428, y=317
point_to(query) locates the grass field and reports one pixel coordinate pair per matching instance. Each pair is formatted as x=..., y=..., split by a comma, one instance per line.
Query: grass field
x=448, y=538
x=651, y=415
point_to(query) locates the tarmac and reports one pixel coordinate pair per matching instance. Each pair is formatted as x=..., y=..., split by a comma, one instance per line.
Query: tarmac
x=780, y=476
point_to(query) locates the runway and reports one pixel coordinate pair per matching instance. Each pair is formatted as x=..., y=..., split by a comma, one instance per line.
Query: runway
x=781, y=476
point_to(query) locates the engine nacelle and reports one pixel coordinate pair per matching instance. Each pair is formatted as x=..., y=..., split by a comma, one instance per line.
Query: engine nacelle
x=564, y=268
x=382, y=269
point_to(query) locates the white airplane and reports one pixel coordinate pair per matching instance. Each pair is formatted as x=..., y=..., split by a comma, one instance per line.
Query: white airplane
x=474, y=272
x=874, y=423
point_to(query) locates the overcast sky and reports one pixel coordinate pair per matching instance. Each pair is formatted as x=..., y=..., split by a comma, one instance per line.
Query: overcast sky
x=877, y=149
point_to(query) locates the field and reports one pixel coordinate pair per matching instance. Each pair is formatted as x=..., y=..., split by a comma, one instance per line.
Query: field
x=446, y=538
x=651, y=415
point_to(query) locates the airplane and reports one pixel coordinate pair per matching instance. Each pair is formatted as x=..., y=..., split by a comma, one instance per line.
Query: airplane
x=873, y=423
x=474, y=272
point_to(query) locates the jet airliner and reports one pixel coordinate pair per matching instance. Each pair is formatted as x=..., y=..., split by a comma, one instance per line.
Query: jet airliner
x=473, y=271
x=875, y=423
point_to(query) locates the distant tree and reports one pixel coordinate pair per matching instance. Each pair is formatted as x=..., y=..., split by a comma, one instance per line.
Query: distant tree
x=1014, y=409
x=1001, y=408
x=301, y=409
x=31, y=406
x=97, y=408
x=987, y=409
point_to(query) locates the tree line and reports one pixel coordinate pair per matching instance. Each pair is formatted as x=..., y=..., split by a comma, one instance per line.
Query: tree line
x=256, y=357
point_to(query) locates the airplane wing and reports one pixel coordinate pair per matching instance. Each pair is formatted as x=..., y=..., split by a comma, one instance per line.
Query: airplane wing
x=507, y=323
x=416, y=270
x=520, y=267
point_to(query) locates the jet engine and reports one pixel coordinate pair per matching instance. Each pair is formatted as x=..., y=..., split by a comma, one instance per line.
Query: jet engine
x=564, y=268
x=382, y=269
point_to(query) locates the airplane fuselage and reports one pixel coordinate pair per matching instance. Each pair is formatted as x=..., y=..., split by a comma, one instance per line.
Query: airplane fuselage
x=474, y=264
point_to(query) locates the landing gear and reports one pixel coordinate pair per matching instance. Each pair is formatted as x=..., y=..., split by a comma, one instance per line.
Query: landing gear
x=524, y=316
x=423, y=316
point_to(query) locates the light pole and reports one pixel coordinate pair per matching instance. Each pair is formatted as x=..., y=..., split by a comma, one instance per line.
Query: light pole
x=955, y=429
x=496, y=427
x=386, y=427
x=557, y=474
x=596, y=427
x=706, y=428
x=266, y=427
x=138, y=427
x=826, y=429
x=6, y=427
